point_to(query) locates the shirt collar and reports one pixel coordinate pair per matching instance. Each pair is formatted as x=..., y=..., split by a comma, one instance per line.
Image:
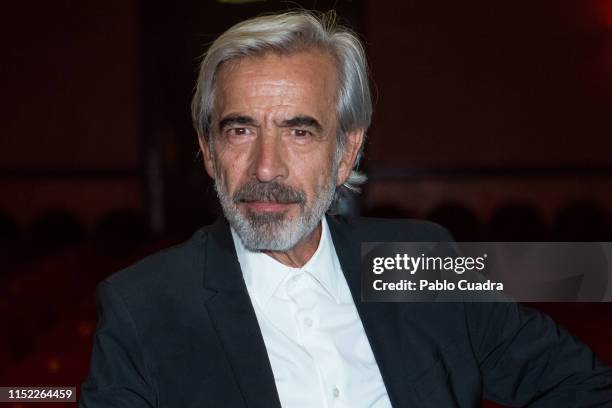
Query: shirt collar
x=263, y=274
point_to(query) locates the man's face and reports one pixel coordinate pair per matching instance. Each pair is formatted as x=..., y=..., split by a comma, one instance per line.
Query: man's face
x=273, y=153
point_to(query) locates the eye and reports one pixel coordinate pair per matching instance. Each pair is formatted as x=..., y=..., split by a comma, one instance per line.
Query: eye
x=239, y=134
x=301, y=133
x=239, y=131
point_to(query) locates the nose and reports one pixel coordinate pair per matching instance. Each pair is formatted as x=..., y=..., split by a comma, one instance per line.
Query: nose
x=269, y=163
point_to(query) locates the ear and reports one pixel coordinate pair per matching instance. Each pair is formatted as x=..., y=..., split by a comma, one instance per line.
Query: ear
x=354, y=139
x=206, y=156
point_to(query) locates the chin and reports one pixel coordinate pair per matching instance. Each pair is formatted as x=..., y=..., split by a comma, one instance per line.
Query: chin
x=270, y=231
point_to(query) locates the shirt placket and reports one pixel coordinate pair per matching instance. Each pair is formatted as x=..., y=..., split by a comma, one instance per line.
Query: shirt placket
x=307, y=319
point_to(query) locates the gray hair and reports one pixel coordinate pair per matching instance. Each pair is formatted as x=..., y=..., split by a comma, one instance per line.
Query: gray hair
x=287, y=33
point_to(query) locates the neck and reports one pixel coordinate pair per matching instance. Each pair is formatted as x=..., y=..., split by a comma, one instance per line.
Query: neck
x=301, y=253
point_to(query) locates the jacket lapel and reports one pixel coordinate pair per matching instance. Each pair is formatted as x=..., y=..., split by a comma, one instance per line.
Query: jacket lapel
x=231, y=312
x=381, y=321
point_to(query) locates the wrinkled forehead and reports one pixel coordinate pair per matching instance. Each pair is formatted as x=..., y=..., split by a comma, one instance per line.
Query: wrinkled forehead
x=305, y=79
x=316, y=56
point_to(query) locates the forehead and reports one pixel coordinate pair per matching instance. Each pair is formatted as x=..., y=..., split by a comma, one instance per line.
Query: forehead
x=301, y=80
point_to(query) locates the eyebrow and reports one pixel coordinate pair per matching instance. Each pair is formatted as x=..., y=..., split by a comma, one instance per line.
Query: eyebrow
x=302, y=121
x=296, y=121
x=236, y=120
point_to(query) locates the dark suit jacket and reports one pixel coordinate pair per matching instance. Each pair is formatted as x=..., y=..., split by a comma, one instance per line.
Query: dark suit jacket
x=178, y=330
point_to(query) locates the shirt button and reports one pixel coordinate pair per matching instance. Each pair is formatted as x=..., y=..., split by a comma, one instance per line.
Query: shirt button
x=308, y=322
x=336, y=392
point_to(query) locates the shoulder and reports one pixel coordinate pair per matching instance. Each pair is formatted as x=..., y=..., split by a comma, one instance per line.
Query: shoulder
x=387, y=229
x=174, y=270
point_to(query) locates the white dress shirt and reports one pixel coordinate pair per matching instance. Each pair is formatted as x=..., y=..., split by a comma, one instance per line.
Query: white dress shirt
x=316, y=344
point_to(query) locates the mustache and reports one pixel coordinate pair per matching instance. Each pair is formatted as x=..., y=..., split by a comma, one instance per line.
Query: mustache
x=269, y=192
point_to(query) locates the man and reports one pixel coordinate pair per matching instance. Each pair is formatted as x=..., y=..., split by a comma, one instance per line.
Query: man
x=263, y=308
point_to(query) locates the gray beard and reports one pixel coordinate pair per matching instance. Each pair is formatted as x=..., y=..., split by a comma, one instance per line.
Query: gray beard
x=275, y=231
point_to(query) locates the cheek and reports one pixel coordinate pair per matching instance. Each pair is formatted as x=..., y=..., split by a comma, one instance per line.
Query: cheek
x=232, y=169
x=317, y=176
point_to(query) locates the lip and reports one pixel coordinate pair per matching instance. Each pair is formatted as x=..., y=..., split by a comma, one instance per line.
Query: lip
x=267, y=206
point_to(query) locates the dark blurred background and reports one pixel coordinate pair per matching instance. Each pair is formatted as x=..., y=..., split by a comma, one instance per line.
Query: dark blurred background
x=493, y=118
